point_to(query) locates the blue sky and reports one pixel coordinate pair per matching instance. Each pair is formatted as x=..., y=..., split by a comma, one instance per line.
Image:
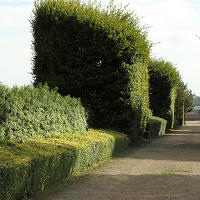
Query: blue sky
x=15, y=3
x=173, y=26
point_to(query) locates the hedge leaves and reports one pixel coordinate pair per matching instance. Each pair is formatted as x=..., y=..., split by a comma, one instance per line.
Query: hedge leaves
x=97, y=54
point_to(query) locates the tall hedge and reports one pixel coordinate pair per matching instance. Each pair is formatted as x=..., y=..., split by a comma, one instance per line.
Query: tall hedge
x=99, y=55
x=184, y=103
x=189, y=98
x=179, y=106
x=164, y=81
x=26, y=112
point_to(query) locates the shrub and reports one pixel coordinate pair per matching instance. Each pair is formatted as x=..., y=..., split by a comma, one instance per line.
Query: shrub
x=155, y=127
x=164, y=81
x=99, y=55
x=27, y=111
x=29, y=167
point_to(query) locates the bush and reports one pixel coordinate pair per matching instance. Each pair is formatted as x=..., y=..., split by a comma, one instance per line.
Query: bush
x=155, y=127
x=99, y=55
x=164, y=81
x=27, y=111
x=27, y=168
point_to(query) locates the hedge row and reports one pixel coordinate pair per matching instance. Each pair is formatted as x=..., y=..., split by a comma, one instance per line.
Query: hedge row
x=99, y=55
x=164, y=81
x=27, y=168
x=27, y=111
x=179, y=106
x=184, y=103
x=155, y=127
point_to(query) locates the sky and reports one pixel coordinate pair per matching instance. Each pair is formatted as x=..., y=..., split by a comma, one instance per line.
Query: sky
x=173, y=28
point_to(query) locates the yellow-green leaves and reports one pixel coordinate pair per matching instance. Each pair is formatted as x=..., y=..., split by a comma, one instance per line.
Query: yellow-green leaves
x=27, y=112
x=81, y=48
x=27, y=168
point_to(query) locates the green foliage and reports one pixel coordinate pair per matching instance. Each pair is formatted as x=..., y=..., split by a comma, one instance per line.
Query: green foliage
x=184, y=103
x=179, y=106
x=97, y=54
x=189, y=100
x=155, y=127
x=27, y=111
x=173, y=97
x=27, y=168
x=164, y=81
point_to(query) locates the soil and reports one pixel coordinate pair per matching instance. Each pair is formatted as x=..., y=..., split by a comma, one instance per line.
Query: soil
x=168, y=168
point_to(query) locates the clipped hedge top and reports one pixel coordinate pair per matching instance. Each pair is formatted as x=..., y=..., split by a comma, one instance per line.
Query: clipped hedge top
x=27, y=111
x=156, y=120
x=160, y=68
x=13, y=153
x=120, y=25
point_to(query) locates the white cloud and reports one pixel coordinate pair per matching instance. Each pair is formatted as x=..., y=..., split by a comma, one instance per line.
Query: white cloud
x=15, y=45
x=174, y=23
x=15, y=16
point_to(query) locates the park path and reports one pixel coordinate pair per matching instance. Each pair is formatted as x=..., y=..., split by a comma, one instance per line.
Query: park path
x=166, y=169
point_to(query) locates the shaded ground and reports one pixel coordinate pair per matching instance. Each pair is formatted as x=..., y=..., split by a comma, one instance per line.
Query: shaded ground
x=166, y=169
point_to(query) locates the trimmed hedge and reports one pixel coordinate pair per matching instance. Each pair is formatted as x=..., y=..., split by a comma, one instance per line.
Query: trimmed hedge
x=27, y=111
x=99, y=55
x=27, y=168
x=189, y=98
x=164, y=81
x=184, y=103
x=155, y=127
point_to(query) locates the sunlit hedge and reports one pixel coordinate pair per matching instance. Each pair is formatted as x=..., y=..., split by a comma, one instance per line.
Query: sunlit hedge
x=164, y=81
x=26, y=168
x=179, y=106
x=99, y=55
x=27, y=111
x=155, y=127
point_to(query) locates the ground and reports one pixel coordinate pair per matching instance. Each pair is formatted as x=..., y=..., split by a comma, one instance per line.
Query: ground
x=166, y=169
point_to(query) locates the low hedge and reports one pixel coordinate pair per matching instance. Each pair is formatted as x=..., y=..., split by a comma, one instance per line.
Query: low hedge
x=26, y=168
x=155, y=127
x=27, y=111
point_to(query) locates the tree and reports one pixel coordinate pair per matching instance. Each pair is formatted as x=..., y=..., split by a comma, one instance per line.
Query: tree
x=188, y=100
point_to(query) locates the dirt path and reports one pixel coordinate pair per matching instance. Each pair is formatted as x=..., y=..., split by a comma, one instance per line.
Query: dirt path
x=166, y=169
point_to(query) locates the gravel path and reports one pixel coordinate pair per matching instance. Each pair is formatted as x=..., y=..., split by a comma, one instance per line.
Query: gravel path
x=166, y=169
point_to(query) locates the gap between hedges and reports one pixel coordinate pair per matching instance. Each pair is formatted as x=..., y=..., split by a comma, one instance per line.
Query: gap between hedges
x=29, y=167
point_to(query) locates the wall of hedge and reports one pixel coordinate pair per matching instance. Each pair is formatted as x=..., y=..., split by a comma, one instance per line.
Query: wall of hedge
x=27, y=112
x=99, y=55
x=180, y=107
x=29, y=167
x=164, y=81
